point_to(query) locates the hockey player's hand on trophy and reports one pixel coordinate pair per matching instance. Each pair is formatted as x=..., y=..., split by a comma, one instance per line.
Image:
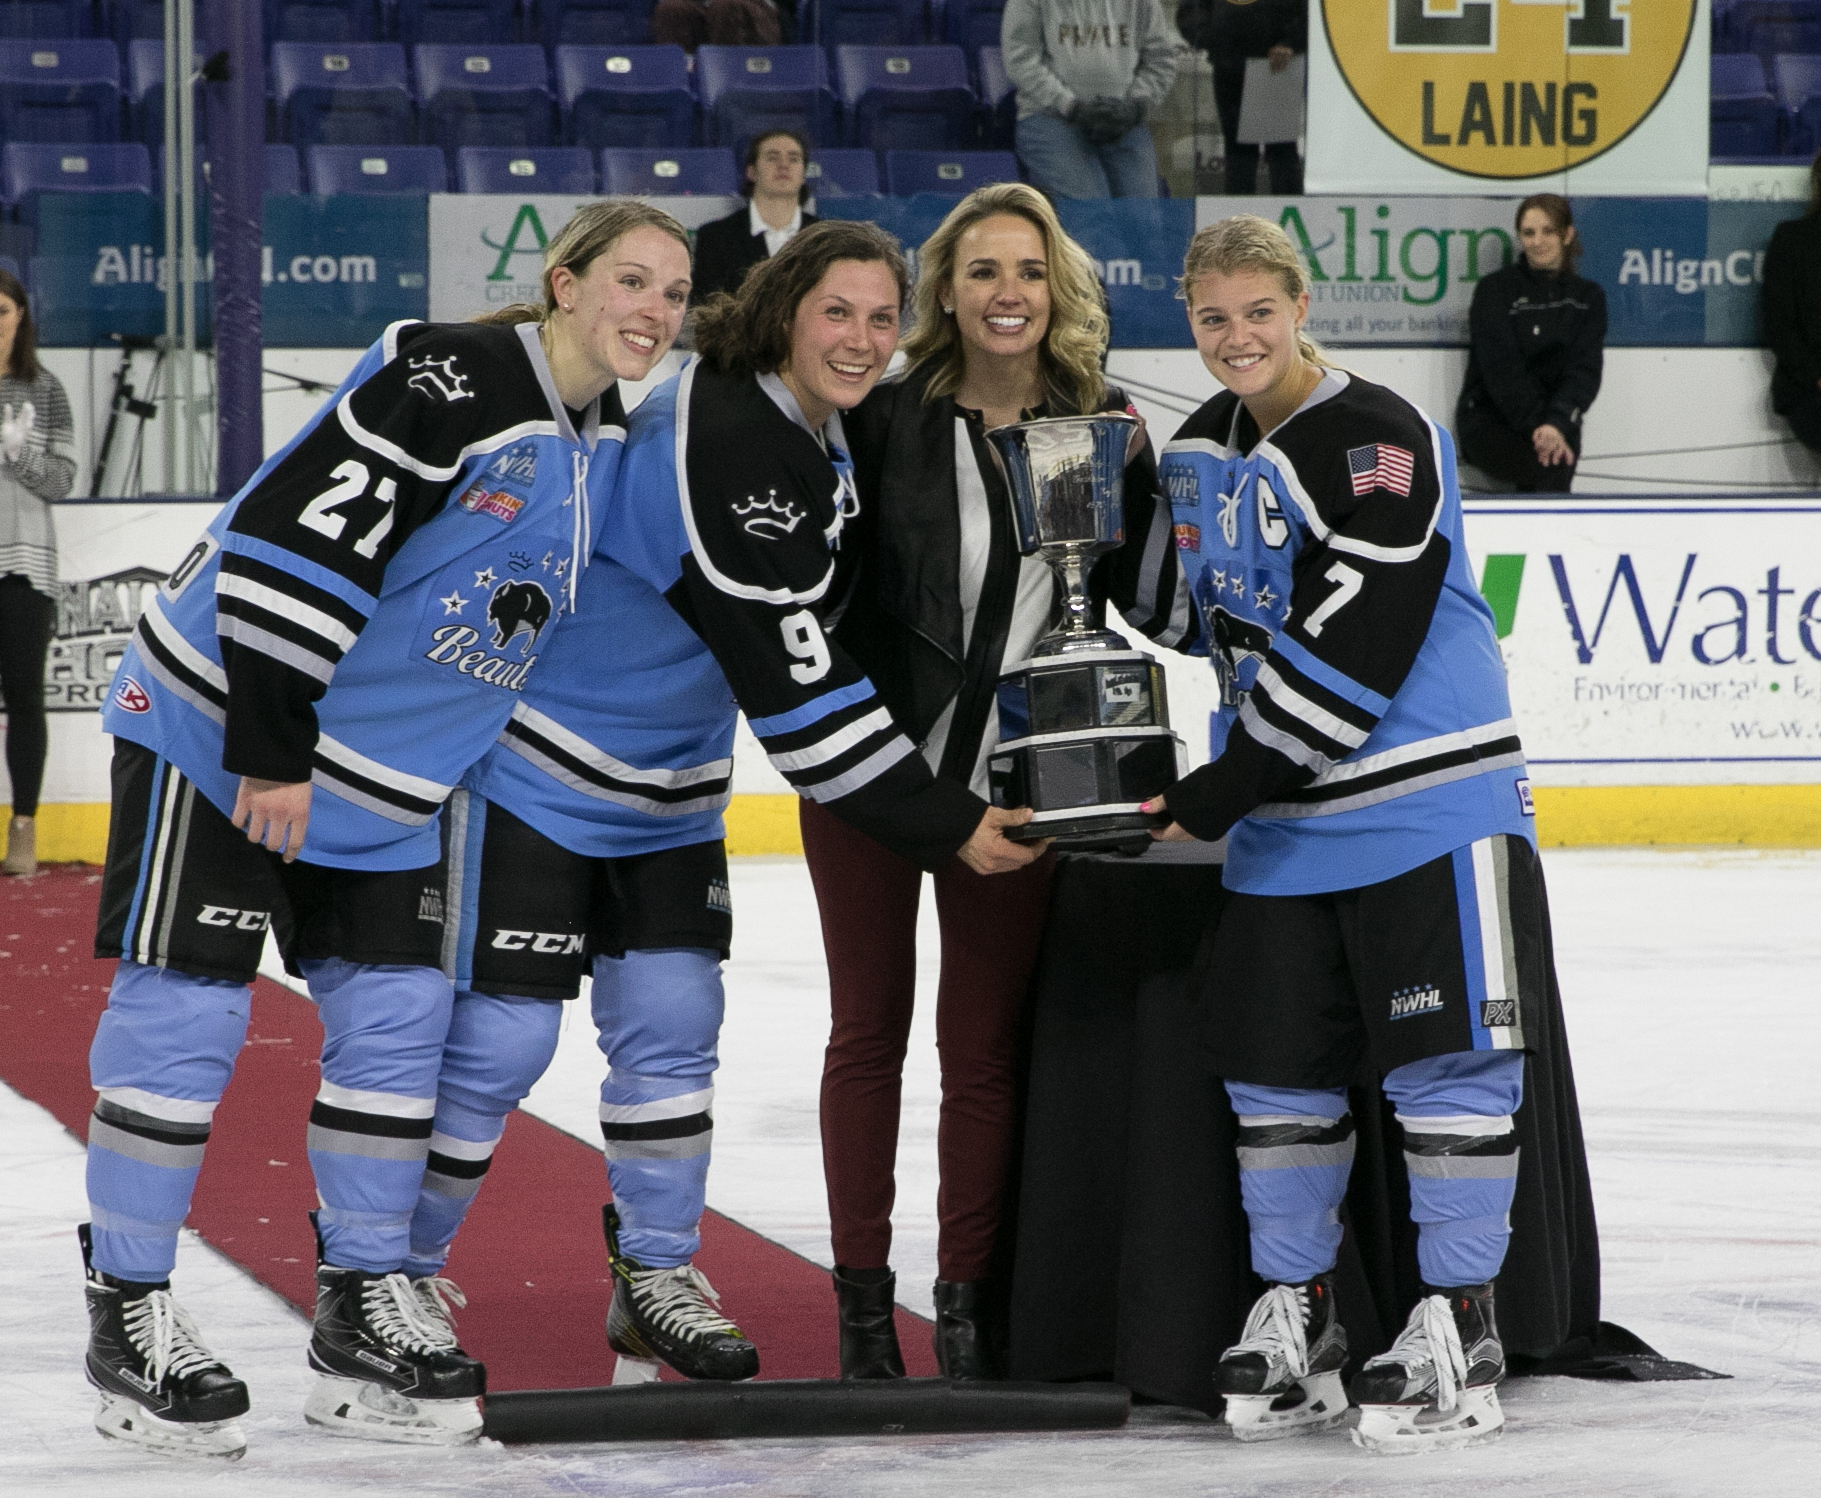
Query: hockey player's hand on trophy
x=273, y=814
x=988, y=851
x=1174, y=832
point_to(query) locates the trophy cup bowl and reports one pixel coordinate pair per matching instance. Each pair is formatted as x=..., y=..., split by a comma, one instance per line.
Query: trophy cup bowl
x=1084, y=725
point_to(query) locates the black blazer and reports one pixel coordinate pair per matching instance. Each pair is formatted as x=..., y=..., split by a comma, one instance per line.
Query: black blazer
x=1537, y=349
x=725, y=250
x=1792, y=311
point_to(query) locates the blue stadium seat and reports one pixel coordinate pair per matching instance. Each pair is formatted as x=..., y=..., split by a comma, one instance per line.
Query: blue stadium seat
x=1744, y=117
x=27, y=170
x=596, y=23
x=145, y=92
x=906, y=98
x=283, y=173
x=483, y=96
x=1798, y=81
x=702, y=170
x=15, y=270
x=1772, y=26
x=377, y=169
x=953, y=173
x=30, y=19
x=998, y=101
x=141, y=20
x=625, y=96
x=567, y=169
x=1726, y=34
x=457, y=22
x=749, y=90
x=866, y=23
x=322, y=20
x=843, y=174
x=342, y=95
x=59, y=91
x=971, y=24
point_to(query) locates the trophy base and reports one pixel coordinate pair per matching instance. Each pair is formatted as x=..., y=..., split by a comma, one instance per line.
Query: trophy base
x=1093, y=832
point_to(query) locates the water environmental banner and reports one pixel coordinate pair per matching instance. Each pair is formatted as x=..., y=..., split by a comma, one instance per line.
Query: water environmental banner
x=1658, y=641
x=1467, y=96
x=335, y=270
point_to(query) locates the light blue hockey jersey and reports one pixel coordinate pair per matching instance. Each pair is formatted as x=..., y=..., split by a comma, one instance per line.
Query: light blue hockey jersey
x=1365, y=727
x=371, y=606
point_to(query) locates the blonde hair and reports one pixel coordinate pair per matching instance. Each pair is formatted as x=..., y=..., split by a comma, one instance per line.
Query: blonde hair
x=590, y=233
x=1247, y=242
x=1078, y=329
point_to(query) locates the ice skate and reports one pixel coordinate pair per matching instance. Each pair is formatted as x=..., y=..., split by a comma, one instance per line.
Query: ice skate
x=1436, y=1389
x=440, y=1298
x=1282, y=1378
x=669, y=1316
x=391, y=1369
x=161, y=1389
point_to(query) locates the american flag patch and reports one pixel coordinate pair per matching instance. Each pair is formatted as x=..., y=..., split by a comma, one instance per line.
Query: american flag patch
x=1380, y=466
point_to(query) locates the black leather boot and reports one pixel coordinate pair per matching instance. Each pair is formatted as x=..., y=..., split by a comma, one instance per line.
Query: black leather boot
x=869, y=1331
x=961, y=1339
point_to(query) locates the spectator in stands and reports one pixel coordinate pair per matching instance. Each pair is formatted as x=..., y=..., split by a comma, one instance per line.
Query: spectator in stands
x=1231, y=32
x=1792, y=317
x=1537, y=343
x=1009, y=325
x=777, y=185
x=1087, y=73
x=720, y=23
x=37, y=468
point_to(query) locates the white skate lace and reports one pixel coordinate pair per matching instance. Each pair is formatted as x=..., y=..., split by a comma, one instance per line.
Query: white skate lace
x=677, y=1301
x=1278, y=1328
x=394, y=1311
x=165, y=1337
x=440, y=1298
x=1431, y=1328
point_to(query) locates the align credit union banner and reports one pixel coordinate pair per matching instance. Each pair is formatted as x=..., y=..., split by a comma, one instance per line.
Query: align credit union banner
x=1478, y=96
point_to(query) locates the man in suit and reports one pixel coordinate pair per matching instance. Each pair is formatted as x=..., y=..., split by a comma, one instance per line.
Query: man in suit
x=776, y=164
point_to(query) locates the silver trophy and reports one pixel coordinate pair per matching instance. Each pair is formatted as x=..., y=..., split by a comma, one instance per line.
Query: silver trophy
x=1084, y=724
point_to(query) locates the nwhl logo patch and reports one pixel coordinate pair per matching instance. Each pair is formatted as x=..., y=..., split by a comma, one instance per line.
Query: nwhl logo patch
x=1408, y=1002
x=1508, y=88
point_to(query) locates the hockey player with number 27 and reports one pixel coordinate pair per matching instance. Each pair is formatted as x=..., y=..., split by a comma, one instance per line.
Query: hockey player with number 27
x=346, y=640
x=1387, y=903
x=597, y=820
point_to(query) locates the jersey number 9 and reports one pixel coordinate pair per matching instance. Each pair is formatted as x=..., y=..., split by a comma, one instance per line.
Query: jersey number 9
x=803, y=639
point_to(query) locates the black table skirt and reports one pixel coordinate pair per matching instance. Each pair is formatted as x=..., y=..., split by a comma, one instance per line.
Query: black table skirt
x=1126, y=1238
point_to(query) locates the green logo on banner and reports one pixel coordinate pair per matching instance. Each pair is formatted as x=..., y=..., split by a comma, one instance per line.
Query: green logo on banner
x=1499, y=583
x=526, y=219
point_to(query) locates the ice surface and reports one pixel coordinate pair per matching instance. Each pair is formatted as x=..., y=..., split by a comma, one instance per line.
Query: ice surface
x=1690, y=982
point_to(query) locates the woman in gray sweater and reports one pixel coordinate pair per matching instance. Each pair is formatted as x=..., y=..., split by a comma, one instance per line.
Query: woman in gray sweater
x=37, y=468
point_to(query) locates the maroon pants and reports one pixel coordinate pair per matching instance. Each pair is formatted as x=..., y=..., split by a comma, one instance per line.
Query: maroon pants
x=990, y=930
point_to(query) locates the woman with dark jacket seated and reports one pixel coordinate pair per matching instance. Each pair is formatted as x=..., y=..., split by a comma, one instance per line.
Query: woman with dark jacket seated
x=1538, y=335
x=776, y=184
x=1009, y=326
x=1792, y=317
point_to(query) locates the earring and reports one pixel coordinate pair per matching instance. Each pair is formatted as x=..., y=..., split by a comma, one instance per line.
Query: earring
x=567, y=307
x=948, y=311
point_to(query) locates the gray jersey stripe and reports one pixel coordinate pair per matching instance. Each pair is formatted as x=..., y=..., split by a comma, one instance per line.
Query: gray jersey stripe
x=1462, y=1167
x=372, y=1146
x=689, y=1147
x=1288, y=1156
x=103, y=1135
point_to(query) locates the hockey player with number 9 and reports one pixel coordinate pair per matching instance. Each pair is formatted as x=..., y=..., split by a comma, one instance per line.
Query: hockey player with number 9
x=1387, y=904
x=306, y=689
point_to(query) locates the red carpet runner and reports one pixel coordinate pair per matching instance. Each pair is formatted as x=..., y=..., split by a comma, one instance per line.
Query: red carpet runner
x=530, y=1257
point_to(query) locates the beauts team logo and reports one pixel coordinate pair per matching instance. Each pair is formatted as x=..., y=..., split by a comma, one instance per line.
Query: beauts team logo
x=1508, y=88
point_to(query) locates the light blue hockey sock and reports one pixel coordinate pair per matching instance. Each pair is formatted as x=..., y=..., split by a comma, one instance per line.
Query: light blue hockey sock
x=659, y=1016
x=162, y=1057
x=1462, y=1157
x=1295, y=1153
x=497, y=1049
x=384, y=1027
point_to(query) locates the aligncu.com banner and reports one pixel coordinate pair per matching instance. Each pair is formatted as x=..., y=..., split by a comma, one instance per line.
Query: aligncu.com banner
x=1451, y=96
x=1658, y=641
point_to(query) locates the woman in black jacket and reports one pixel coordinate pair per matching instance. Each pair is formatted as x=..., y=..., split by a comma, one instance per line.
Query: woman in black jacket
x=1792, y=317
x=1009, y=325
x=1537, y=343
x=1231, y=32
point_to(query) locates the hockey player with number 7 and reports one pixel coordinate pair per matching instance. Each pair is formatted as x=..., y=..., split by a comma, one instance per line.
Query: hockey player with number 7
x=299, y=699
x=1387, y=905
x=591, y=837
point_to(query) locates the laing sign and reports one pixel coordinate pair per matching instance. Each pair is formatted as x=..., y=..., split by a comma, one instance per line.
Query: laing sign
x=1508, y=88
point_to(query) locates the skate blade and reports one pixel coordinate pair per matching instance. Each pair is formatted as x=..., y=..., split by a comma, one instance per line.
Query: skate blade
x=628, y=1370
x=371, y=1412
x=1317, y=1403
x=1411, y=1429
x=120, y=1419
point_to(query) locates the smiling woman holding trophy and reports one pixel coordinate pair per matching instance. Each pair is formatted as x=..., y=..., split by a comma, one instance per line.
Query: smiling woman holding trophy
x=1009, y=332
